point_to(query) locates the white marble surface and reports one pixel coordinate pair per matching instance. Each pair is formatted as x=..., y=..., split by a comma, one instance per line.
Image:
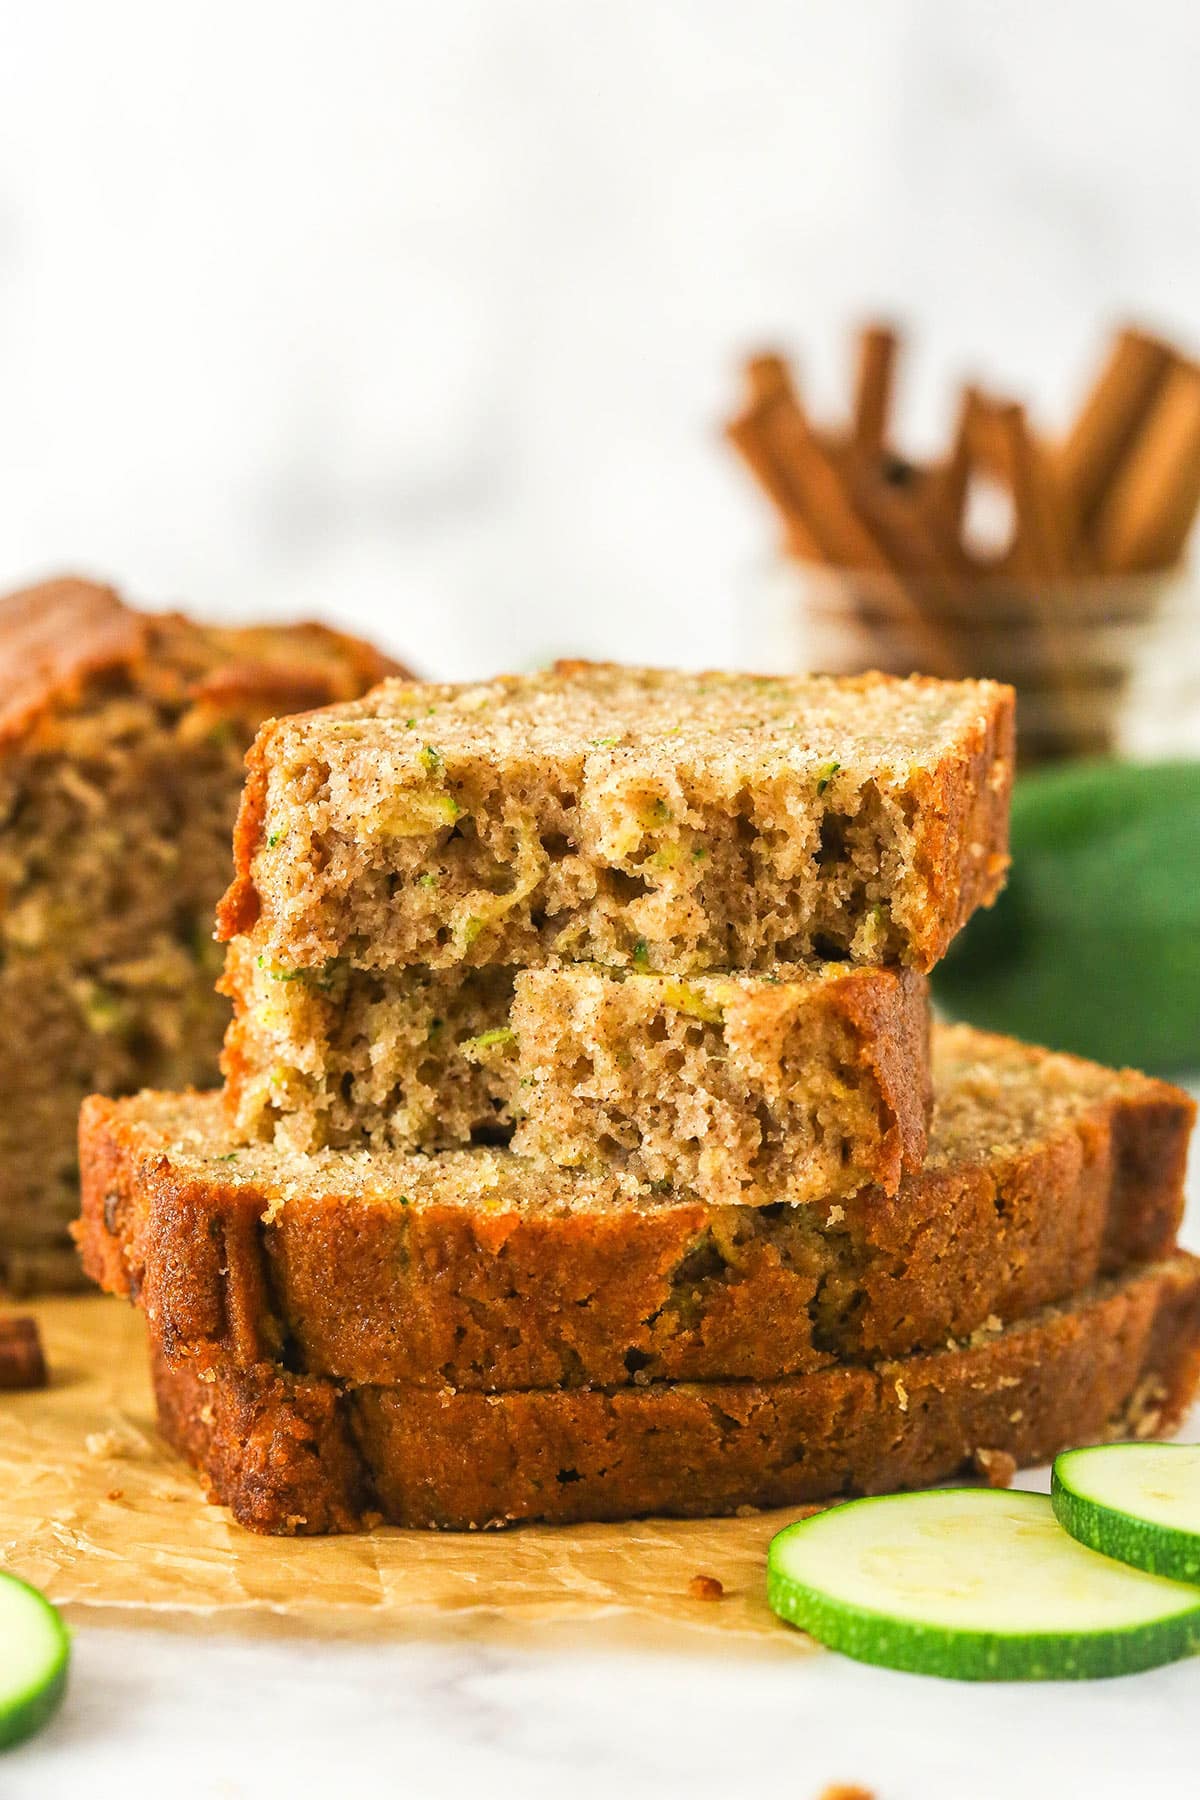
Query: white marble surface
x=222, y=1720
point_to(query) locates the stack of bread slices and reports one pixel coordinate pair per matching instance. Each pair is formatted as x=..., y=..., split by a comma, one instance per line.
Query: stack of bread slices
x=586, y=1151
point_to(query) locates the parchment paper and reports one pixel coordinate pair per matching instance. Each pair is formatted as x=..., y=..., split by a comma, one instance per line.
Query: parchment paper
x=98, y=1513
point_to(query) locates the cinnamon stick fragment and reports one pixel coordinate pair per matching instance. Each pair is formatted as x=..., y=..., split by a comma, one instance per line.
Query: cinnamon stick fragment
x=22, y=1364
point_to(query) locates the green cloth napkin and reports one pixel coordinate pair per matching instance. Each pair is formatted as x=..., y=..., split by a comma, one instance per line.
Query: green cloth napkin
x=1094, y=946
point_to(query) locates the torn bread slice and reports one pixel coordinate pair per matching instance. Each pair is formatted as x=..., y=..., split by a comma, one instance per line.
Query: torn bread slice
x=805, y=1084
x=638, y=817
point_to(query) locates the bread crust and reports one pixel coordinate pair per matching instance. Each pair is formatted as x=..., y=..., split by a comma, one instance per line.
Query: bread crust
x=57, y=635
x=297, y=1456
x=510, y=1277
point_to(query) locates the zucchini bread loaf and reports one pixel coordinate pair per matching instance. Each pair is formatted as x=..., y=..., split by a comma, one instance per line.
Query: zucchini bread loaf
x=479, y=1270
x=295, y=1454
x=805, y=1084
x=629, y=816
x=122, y=738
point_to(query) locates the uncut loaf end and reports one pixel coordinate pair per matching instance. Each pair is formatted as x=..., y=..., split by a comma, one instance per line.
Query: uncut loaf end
x=122, y=736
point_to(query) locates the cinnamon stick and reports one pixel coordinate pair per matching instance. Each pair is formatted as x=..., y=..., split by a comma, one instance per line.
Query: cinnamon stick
x=767, y=378
x=1153, y=502
x=1001, y=445
x=896, y=523
x=1087, y=460
x=749, y=439
x=877, y=347
x=22, y=1364
x=818, y=490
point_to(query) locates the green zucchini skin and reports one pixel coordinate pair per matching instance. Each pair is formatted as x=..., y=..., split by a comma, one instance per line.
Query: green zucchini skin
x=1158, y=1549
x=982, y=1656
x=971, y=1654
x=25, y=1712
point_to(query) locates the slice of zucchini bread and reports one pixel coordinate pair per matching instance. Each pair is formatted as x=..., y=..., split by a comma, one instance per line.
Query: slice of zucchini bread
x=122, y=737
x=633, y=817
x=805, y=1084
x=295, y=1454
x=480, y=1270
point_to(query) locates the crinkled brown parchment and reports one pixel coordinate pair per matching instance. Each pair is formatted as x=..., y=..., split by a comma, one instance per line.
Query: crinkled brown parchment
x=97, y=1512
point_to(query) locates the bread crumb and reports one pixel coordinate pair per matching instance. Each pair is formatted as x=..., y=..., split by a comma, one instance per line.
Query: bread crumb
x=836, y=1215
x=846, y=1790
x=991, y=1325
x=996, y=1466
x=1144, y=1411
x=902, y=1395
x=706, y=1587
x=115, y=1494
x=110, y=1444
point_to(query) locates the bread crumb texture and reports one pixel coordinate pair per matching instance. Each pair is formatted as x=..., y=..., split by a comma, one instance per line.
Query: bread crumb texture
x=631, y=816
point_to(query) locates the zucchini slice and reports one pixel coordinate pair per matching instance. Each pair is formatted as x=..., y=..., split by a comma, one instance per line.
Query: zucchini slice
x=34, y=1654
x=977, y=1584
x=1137, y=1502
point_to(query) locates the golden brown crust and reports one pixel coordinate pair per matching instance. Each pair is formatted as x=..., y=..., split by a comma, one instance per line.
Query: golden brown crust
x=57, y=635
x=964, y=849
x=295, y=1455
x=239, y=906
x=536, y=1280
x=52, y=637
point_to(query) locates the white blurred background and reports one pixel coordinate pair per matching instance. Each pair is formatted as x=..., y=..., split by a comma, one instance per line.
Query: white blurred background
x=422, y=317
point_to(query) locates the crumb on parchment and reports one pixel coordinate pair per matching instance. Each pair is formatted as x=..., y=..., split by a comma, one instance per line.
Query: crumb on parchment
x=113, y=1444
x=706, y=1587
x=997, y=1467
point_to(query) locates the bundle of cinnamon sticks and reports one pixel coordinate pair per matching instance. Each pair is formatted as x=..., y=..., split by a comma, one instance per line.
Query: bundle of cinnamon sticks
x=1116, y=495
x=1014, y=554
